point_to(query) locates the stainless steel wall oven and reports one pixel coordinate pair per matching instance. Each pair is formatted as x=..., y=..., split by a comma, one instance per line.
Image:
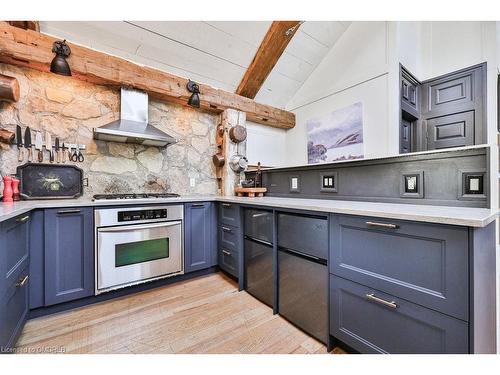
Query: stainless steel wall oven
x=137, y=244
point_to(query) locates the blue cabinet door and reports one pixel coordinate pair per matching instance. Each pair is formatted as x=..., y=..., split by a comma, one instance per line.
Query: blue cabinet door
x=199, y=236
x=14, y=259
x=69, y=254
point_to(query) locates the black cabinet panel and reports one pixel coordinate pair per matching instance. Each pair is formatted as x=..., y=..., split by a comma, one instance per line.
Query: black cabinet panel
x=451, y=131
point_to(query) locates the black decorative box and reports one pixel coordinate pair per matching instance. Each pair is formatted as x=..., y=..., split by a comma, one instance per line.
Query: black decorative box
x=50, y=181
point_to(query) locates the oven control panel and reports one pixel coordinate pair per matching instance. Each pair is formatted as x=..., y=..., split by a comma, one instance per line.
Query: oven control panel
x=142, y=215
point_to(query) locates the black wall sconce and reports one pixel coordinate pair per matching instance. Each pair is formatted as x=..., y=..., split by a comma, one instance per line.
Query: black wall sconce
x=194, y=99
x=59, y=65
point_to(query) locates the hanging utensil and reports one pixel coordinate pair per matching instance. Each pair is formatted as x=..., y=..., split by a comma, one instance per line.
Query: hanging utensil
x=39, y=146
x=27, y=143
x=48, y=146
x=218, y=159
x=238, y=133
x=238, y=163
x=19, y=141
x=58, y=154
x=64, y=148
x=77, y=155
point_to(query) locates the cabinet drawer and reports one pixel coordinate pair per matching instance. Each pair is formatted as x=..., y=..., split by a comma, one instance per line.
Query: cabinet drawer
x=259, y=271
x=363, y=318
x=229, y=214
x=259, y=224
x=423, y=263
x=229, y=237
x=228, y=261
x=307, y=234
x=13, y=310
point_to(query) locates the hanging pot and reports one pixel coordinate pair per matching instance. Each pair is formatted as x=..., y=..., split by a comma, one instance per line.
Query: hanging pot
x=238, y=133
x=238, y=163
x=218, y=159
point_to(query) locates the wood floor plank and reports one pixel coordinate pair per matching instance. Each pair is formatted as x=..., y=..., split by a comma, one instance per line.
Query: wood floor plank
x=202, y=315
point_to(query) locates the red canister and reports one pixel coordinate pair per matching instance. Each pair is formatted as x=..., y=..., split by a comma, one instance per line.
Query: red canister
x=7, y=189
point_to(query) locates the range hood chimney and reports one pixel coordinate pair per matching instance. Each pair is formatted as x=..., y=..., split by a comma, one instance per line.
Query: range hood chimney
x=133, y=126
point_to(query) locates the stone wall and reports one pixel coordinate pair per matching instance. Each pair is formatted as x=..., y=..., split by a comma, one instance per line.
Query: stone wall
x=69, y=109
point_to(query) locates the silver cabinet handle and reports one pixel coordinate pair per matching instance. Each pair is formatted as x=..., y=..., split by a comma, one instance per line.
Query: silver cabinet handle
x=260, y=214
x=374, y=298
x=225, y=252
x=226, y=204
x=23, y=219
x=226, y=229
x=66, y=212
x=22, y=282
x=382, y=225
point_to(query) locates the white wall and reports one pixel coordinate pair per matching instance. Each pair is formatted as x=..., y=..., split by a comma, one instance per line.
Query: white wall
x=356, y=69
x=266, y=144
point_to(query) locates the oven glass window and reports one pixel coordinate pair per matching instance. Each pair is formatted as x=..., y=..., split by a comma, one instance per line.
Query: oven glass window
x=141, y=251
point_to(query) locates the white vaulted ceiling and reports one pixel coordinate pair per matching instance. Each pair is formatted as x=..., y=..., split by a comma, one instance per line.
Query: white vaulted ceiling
x=214, y=53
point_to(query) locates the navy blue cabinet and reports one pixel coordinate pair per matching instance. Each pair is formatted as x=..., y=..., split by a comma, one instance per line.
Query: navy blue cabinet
x=14, y=260
x=69, y=254
x=200, y=236
x=37, y=260
x=230, y=240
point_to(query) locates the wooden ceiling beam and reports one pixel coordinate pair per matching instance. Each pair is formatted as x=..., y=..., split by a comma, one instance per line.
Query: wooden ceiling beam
x=34, y=50
x=26, y=25
x=273, y=45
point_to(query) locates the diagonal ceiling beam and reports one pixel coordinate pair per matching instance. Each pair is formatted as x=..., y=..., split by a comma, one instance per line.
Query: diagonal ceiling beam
x=272, y=47
x=34, y=50
x=26, y=25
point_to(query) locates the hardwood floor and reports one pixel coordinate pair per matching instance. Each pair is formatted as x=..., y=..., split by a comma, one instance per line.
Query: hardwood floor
x=202, y=315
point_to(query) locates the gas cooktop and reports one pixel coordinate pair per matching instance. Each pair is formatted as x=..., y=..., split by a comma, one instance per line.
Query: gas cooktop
x=127, y=196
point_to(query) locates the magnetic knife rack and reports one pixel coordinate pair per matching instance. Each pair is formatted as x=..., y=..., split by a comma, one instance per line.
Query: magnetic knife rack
x=69, y=146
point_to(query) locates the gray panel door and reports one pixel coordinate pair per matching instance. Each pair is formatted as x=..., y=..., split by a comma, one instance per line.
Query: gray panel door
x=69, y=254
x=406, y=129
x=199, y=234
x=423, y=263
x=451, y=131
x=454, y=107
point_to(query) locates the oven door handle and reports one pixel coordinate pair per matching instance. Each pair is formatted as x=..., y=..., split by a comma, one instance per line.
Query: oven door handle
x=138, y=227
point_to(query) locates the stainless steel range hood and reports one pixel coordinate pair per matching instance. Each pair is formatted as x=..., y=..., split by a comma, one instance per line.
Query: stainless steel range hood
x=133, y=126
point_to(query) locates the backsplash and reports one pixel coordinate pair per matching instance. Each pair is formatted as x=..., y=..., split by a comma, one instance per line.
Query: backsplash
x=70, y=109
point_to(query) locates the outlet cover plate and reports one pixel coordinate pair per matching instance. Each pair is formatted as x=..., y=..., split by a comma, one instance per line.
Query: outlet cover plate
x=411, y=184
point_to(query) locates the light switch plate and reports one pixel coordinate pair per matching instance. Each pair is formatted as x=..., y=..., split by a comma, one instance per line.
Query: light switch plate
x=411, y=184
x=328, y=182
x=294, y=184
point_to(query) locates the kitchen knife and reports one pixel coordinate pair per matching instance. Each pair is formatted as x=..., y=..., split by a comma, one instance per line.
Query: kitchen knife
x=19, y=141
x=64, y=153
x=48, y=146
x=38, y=146
x=58, y=154
x=27, y=143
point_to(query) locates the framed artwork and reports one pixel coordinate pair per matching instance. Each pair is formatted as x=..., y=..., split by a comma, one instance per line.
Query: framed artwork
x=336, y=136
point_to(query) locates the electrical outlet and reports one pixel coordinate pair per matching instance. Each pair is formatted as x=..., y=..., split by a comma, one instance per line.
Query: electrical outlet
x=328, y=182
x=192, y=182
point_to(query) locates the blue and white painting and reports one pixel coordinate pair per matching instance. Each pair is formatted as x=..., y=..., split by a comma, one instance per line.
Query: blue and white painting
x=336, y=136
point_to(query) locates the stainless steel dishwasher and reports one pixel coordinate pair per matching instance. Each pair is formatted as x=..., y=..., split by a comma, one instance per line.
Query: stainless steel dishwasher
x=303, y=272
x=258, y=230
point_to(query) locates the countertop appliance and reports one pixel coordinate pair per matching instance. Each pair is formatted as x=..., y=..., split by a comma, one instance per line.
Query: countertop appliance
x=137, y=244
x=258, y=229
x=303, y=272
x=128, y=196
x=133, y=125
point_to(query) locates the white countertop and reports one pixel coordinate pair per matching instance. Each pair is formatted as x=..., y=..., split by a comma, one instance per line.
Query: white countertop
x=472, y=217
